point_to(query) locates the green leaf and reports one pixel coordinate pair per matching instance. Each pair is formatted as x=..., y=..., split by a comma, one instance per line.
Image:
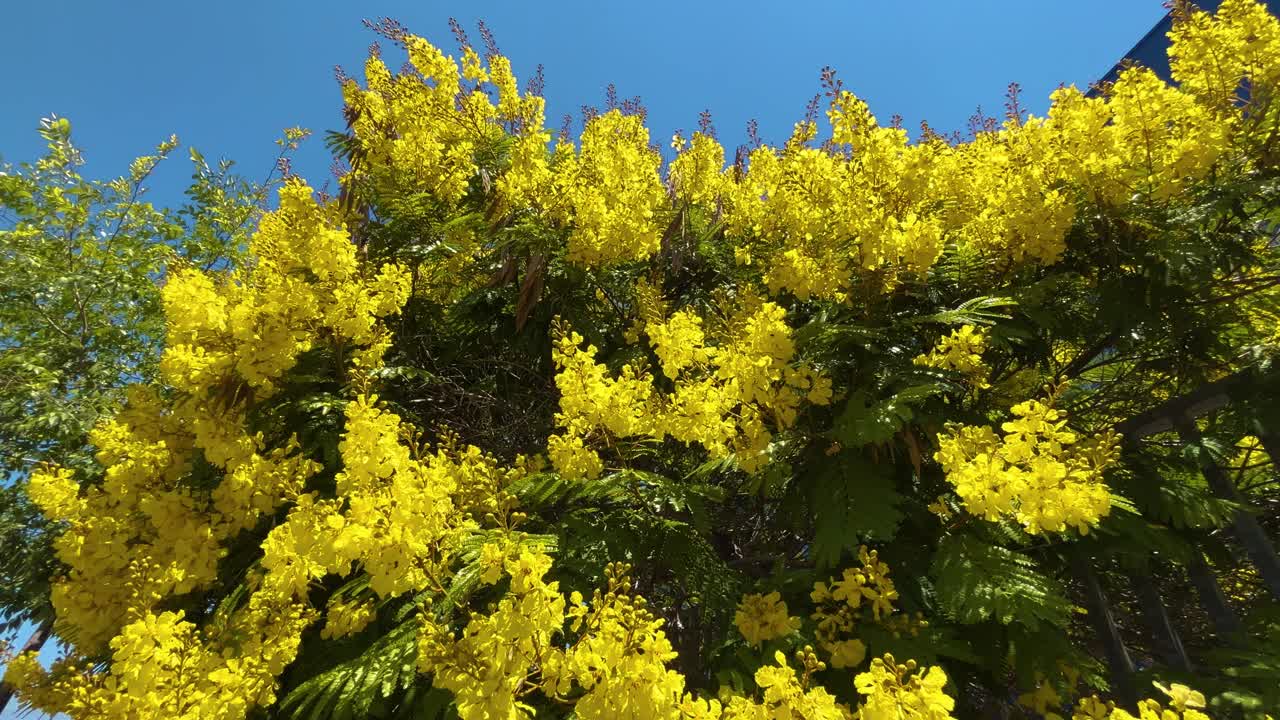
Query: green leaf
x=977, y=581
x=546, y=490
x=348, y=688
x=862, y=422
x=1127, y=532
x=976, y=311
x=853, y=500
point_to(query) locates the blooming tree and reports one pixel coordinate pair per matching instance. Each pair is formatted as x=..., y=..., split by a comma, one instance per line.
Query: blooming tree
x=516, y=427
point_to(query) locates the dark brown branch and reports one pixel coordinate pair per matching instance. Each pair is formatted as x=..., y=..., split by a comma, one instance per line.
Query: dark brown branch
x=1200, y=401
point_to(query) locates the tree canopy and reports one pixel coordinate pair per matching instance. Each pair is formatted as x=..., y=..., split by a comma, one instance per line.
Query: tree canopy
x=854, y=426
x=81, y=262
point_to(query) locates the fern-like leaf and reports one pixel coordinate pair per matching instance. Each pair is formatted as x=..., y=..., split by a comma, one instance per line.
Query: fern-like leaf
x=852, y=500
x=977, y=581
x=976, y=311
x=351, y=688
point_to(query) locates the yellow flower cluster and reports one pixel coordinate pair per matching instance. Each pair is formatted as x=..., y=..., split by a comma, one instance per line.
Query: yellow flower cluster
x=172, y=548
x=420, y=126
x=895, y=691
x=880, y=204
x=1184, y=704
x=787, y=696
x=864, y=205
x=164, y=666
x=1212, y=56
x=1011, y=202
x=616, y=667
x=697, y=172
x=253, y=326
x=961, y=352
x=723, y=395
x=420, y=132
x=153, y=532
x=782, y=695
x=347, y=618
x=840, y=605
x=870, y=583
x=1037, y=473
x=764, y=617
x=398, y=516
x=608, y=658
x=620, y=657
x=867, y=204
x=609, y=192
x=679, y=343
x=424, y=130
x=488, y=667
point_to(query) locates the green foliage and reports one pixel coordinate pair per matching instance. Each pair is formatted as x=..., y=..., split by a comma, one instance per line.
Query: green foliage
x=853, y=500
x=975, y=311
x=81, y=264
x=1246, y=684
x=545, y=491
x=1125, y=532
x=27, y=562
x=863, y=422
x=366, y=676
x=976, y=581
x=1180, y=502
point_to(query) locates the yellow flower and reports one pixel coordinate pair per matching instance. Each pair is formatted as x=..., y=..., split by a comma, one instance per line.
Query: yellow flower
x=1037, y=473
x=895, y=691
x=848, y=653
x=492, y=558
x=347, y=618
x=961, y=352
x=764, y=617
x=1181, y=696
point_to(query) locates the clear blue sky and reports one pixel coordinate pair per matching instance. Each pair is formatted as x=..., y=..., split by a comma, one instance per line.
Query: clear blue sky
x=227, y=77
